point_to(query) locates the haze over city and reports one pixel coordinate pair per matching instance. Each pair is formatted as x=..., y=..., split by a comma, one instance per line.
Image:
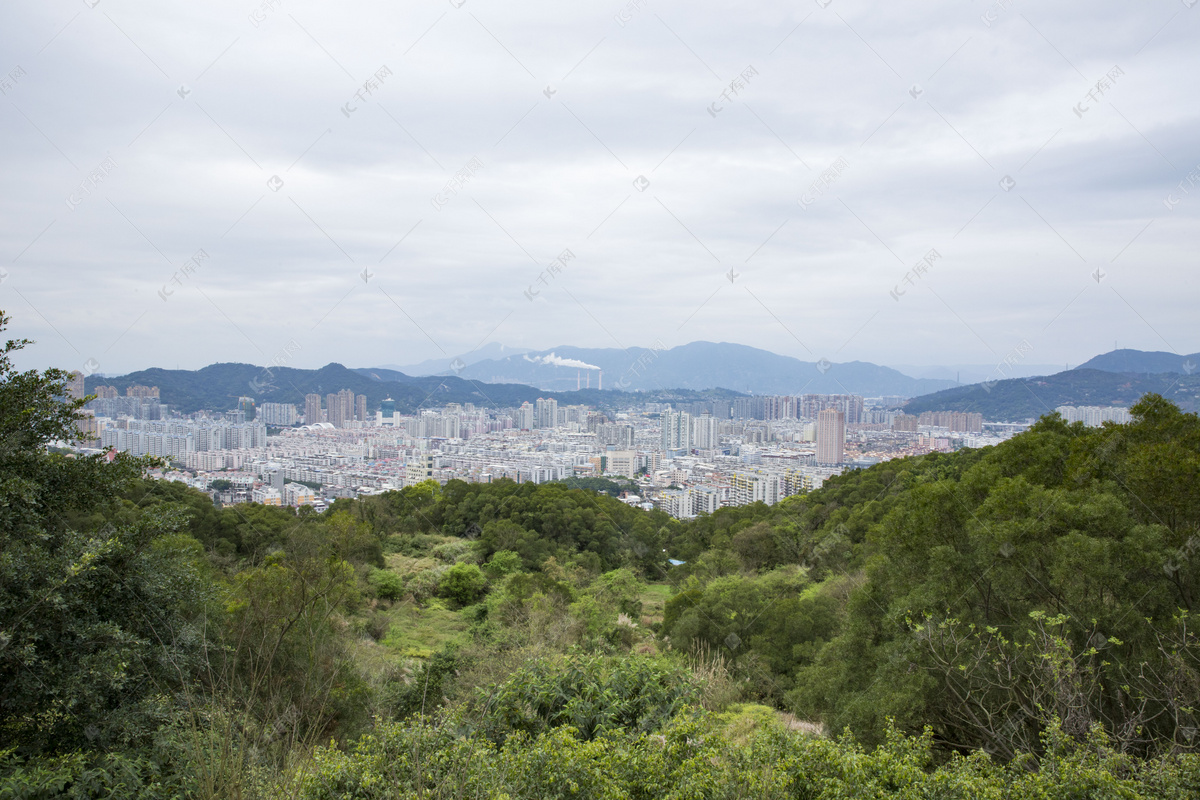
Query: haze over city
x=386, y=183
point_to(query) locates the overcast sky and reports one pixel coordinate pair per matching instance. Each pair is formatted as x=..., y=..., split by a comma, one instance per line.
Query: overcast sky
x=385, y=182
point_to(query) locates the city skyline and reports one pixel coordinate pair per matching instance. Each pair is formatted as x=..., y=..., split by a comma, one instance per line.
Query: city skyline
x=824, y=180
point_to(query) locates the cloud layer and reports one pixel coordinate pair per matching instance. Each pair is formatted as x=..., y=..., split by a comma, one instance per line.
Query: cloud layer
x=389, y=182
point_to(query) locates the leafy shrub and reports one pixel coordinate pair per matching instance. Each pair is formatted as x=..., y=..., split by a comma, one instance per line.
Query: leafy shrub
x=451, y=551
x=591, y=694
x=387, y=584
x=503, y=562
x=462, y=584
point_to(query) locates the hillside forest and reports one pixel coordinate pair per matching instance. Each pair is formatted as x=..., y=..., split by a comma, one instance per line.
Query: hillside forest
x=1013, y=621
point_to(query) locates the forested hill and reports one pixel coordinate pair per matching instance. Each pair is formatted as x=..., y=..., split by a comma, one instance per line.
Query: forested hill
x=1020, y=399
x=218, y=386
x=1008, y=622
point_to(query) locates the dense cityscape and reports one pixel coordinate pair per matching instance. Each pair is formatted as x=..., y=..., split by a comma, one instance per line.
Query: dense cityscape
x=686, y=459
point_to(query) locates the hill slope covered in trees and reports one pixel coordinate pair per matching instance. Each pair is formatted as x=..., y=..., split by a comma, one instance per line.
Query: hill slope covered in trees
x=1007, y=622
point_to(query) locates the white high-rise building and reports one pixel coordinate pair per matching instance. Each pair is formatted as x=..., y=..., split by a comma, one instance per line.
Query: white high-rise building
x=622, y=462
x=676, y=430
x=547, y=413
x=277, y=414
x=525, y=417
x=706, y=432
x=831, y=437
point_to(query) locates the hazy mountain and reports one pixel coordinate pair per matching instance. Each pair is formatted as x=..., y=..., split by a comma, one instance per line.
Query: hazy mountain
x=1018, y=399
x=698, y=365
x=976, y=373
x=1144, y=362
x=446, y=366
x=217, y=387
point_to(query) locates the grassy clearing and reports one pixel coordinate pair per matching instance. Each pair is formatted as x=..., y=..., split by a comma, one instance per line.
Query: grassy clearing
x=420, y=632
x=654, y=598
x=403, y=565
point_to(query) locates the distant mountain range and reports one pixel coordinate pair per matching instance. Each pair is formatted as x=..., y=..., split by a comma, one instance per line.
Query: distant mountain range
x=698, y=365
x=217, y=387
x=1019, y=399
x=1144, y=362
x=960, y=374
x=696, y=371
x=445, y=366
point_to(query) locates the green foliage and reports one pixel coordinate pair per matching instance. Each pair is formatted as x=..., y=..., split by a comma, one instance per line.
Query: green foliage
x=502, y=563
x=591, y=694
x=693, y=758
x=99, y=622
x=90, y=776
x=601, y=485
x=1028, y=605
x=463, y=584
x=387, y=584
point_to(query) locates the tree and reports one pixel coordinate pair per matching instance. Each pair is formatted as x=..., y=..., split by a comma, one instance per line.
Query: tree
x=98, y=621
x=463, y=584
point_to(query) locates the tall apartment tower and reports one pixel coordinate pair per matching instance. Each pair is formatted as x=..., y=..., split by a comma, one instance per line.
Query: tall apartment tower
x=525, y=417
x=360, y=408
x=312, y=408
x=75, y=385
x=831, y=437
x=676, y=430
x=706, y=432
x=547, y=413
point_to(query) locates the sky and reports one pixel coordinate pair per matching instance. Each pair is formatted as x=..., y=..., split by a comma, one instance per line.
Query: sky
x=296, y=183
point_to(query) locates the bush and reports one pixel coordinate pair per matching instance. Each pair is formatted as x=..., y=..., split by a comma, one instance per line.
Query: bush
x=387, y=584
x=463, y=584
x=450, y=552
x=504, y=562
